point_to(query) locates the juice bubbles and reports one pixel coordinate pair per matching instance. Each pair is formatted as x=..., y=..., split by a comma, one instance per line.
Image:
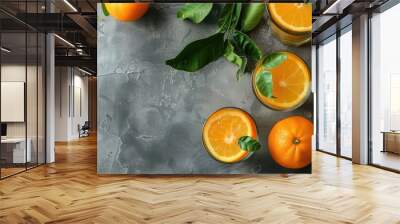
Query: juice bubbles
x=291, y=22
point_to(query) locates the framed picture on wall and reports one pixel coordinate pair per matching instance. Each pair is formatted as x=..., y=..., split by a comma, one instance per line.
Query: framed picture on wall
x=204, y=88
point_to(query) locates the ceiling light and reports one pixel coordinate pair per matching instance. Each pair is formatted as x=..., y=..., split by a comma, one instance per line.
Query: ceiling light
x=80, y=51
x=5, y=50
x=84, y=71
x=65, y=41
x=70, y=5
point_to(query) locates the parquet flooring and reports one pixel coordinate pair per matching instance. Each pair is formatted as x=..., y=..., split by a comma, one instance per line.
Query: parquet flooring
x=70, y=191
x=11, y=170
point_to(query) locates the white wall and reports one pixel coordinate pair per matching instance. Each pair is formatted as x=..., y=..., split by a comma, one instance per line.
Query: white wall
x=62, y=81
x=79, y=117
x=70, y=83
x=13, y=101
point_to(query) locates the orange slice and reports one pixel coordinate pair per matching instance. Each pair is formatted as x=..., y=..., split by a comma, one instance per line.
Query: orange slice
x=291, y=82
x=292, y=17
x=222, y=131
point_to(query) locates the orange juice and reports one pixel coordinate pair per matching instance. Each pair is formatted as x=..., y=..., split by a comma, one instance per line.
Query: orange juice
x=291, y=83
x=222, y=131
x=291, y=22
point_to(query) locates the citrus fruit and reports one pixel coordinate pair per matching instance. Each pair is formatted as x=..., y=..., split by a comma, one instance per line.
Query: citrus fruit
x=222, y=131
x=292, y=17
x=291, y=82
x=291, y=22
x=127, y=11
x=289, y=142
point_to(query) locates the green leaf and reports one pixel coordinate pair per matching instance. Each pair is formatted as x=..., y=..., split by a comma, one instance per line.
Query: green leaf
x=274, y=59
x=229, y=17
x=249, y=144
x=105, y=11
x=242, y=68
x=264, y=83
x=225, y=17
x=247, y=45
x=199, y=53
x=236, y=15
x=196, y=12
x=234, y=58
x=252, y=15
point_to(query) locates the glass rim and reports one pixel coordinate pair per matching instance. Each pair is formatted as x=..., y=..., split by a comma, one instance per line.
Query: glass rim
x=285, y=29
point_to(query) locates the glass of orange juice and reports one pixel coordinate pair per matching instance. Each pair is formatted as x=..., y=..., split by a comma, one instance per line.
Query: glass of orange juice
x=291, y=83
x=291, y=22
x=221, y=133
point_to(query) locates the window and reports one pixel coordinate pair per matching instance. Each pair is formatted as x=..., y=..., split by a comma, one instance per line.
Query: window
x=385, y=89
x=334, y=114
x=346, y=74
x=326, y=94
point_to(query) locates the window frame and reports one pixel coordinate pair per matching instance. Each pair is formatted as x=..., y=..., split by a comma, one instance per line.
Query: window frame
x=334, y=37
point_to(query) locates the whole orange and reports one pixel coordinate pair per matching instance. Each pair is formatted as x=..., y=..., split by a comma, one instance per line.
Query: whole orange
x=127, y=11
x=289, y=142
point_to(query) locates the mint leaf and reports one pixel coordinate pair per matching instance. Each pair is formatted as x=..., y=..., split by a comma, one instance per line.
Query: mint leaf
x=274, y=59
x=105, y=11
x=196, y=12
x=249, y=144
x=264, y=83
x=234, y=58
x=199, y=53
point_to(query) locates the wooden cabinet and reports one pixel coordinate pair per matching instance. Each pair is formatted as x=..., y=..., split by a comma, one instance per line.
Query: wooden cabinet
x=391, y=142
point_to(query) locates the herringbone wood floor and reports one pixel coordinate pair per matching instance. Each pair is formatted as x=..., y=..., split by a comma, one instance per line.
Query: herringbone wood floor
x=70, y=191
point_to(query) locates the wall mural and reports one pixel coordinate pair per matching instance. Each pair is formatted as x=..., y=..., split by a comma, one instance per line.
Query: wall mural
x=204, y=88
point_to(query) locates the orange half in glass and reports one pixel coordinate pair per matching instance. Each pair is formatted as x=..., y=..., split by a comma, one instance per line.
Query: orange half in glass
x=291, y=22
x=291, y=83
x=222, y=131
